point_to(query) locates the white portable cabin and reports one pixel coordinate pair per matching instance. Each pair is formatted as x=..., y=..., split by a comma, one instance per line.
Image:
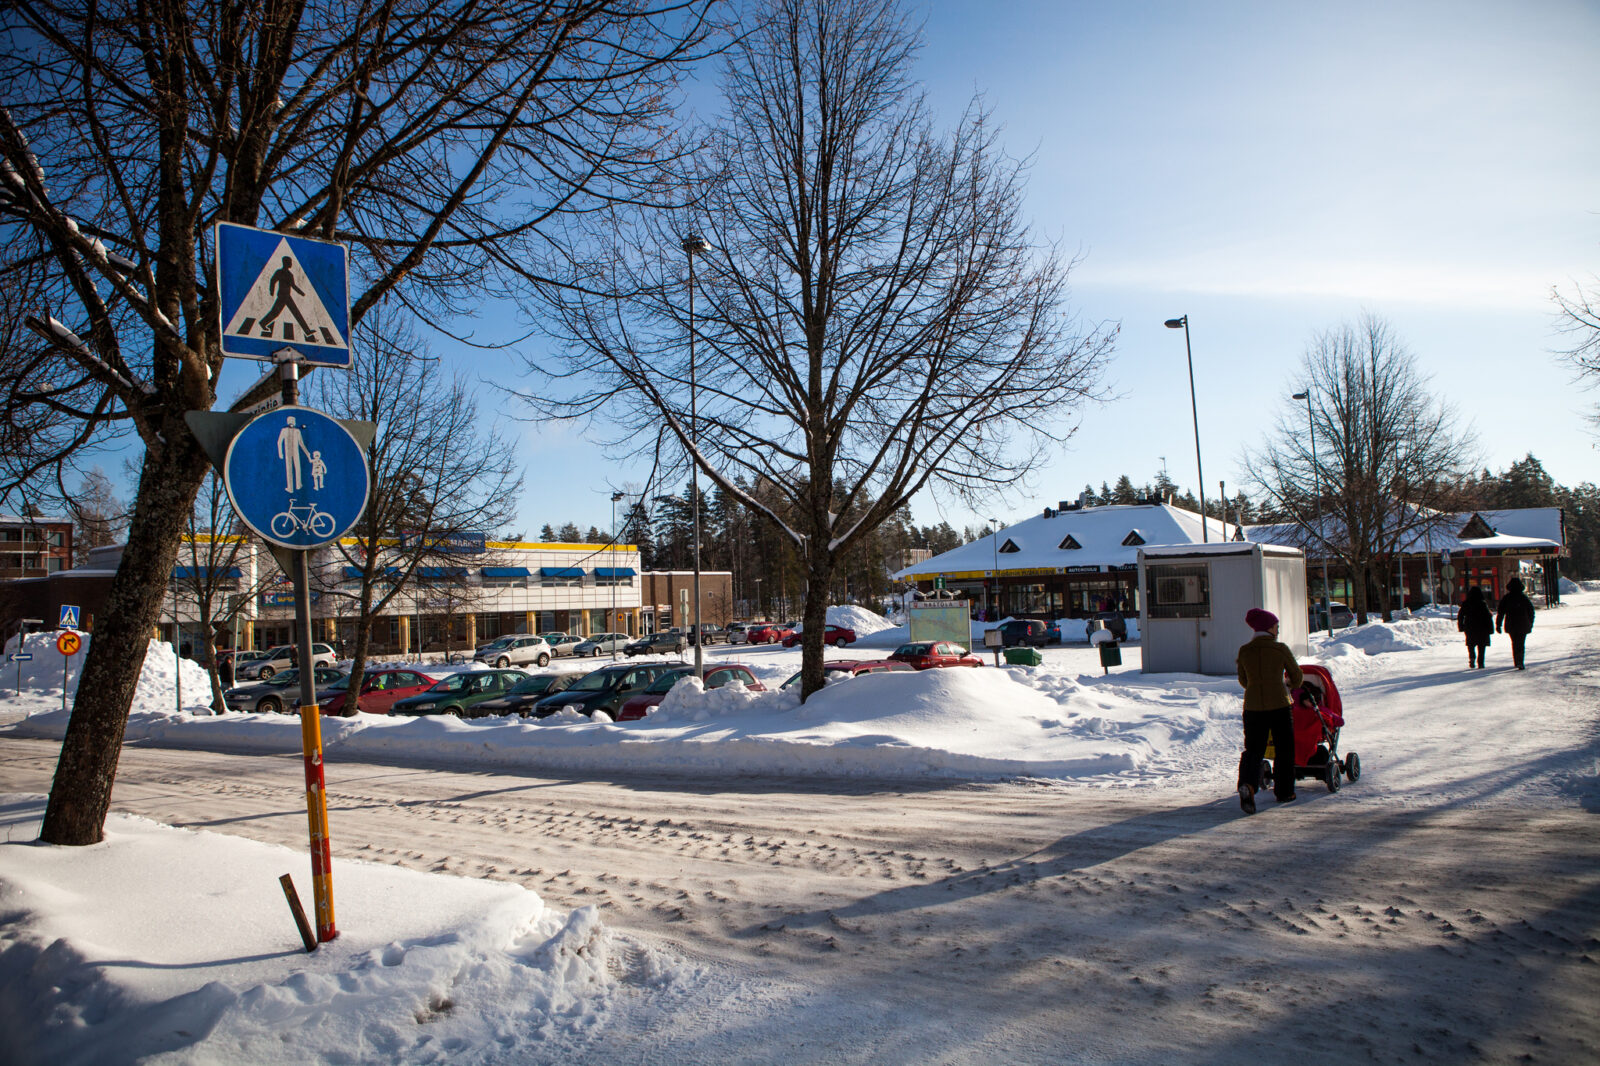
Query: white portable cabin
x=1191, y=616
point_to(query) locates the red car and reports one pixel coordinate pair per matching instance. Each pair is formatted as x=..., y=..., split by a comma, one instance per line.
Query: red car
x=835, y=636
x=766, y=633
x=716, y=677
x=379, y=691
x=931, y=654
x=854, y=667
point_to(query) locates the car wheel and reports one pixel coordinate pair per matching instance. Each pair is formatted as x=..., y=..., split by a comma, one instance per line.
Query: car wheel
x=266, y=672
x=502, y=662
x=544, y=660
x=270, y=705
x=594, y=653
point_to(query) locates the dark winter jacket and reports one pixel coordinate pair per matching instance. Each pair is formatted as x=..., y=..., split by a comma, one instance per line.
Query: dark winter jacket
x=1262, y=664
x=1474, y=618
x=1516, y=610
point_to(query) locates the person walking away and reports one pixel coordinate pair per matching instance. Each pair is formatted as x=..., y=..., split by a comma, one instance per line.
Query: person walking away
x=1475, y=621
x=1263, y=664
x=1515, y=619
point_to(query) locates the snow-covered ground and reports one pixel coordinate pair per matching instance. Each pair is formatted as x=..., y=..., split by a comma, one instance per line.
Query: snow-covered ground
x=169, y=943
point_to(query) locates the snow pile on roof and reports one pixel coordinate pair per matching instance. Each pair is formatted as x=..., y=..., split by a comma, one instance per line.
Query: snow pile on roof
x=156, y=692
x=99, y=965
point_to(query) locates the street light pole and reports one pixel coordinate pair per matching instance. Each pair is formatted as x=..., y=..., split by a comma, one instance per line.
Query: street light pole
x=1194, y=411
x=995, y=544
x=615, y=496
x=693, y=245
x=1316, y=473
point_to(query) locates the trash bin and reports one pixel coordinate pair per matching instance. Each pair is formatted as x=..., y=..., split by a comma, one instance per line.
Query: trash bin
x=1110, y=655
x=1023, y=656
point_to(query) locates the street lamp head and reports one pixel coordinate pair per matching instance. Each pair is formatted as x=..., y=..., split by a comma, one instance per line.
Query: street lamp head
x=694, y=244
x=615, y=496
x=1301, y=396
x=1178, y=323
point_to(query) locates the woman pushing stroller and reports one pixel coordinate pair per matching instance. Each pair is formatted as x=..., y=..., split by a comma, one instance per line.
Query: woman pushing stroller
x=1268, y=708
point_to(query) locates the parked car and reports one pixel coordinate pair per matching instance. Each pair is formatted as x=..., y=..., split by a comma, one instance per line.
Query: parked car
x=457, y=693
x=603, y=644
x=238, y=657
x=709, y=633
x=833, y=637
x=933, y=654
x=605, y=689
x=516, y=649
x=1114, y=622
x=276, y=660
x=521, y=697
x=562, y=643
x=379, y=691
x=280, y=692
x=1032, y=632
x=669, y=642
x=855, y=667
x=716, y=676
x=766, y=633
x=736, y=632
x=1342, y=615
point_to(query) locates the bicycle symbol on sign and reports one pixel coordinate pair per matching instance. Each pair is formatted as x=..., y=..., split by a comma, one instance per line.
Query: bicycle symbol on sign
x=302, y=519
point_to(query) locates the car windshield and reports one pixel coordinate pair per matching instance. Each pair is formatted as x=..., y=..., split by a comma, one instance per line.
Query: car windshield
x=533, y=686
x=598, y=681
x=340, y=685
x=453, y=683
x=499, y=642
x=663, y=684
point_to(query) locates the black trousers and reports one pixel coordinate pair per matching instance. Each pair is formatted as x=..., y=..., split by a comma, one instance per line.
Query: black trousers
x=1258, y=726
x=1475, y=653
x=1519, y=642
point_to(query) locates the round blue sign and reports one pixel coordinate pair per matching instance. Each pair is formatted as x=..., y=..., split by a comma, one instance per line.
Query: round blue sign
x=296, y=477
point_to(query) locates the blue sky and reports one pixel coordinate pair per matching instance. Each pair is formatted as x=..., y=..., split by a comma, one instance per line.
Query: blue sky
x=1270, y=170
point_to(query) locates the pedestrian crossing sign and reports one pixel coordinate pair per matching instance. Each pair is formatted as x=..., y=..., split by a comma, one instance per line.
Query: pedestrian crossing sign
x=280, y=291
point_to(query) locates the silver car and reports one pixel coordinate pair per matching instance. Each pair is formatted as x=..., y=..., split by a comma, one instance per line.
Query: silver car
x=603, y=644
x=562, y=643
x=276, y=660
x=517, y=649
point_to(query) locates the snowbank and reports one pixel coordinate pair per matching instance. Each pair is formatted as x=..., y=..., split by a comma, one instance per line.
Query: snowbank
x=96, y=959
x=156, y=692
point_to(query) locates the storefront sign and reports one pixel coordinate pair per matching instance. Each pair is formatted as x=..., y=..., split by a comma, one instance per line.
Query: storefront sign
x=1082, y=569
x=455, y=543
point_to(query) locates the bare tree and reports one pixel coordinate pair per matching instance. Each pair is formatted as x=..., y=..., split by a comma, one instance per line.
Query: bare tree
x=438, y=474
x=1578, y=316
x=1390, y=456
x=442, y=142
x=97, y=515
x=874, y=315
x=215, y=572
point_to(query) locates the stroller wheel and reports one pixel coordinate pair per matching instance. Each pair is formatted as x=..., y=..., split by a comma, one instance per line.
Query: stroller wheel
x=1352, y=766
x=1266, y=773
x=1330, y=774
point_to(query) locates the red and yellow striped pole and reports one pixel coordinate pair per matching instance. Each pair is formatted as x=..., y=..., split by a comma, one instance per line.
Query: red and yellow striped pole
x=317, y=814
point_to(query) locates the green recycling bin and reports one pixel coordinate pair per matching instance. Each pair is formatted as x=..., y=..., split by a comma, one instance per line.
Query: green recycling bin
x=1110, y=655
x=1023, y=656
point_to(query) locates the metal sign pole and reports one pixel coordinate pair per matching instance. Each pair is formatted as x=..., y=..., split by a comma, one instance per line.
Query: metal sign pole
x=310, y=713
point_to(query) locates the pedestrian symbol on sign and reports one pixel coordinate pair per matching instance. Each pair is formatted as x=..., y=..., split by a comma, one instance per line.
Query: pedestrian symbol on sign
x=282, y=291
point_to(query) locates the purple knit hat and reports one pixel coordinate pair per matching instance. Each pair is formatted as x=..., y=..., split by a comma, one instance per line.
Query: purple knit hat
x=1260, y=620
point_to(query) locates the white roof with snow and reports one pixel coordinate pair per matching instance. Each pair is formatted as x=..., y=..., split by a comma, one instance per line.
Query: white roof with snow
x=1508, y=530
x=1105, y=537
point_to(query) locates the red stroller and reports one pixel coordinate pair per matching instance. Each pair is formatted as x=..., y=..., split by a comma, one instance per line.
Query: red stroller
x=1318, y=714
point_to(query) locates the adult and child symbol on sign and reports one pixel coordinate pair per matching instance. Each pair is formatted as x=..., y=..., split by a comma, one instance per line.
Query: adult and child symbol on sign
x=303, y=518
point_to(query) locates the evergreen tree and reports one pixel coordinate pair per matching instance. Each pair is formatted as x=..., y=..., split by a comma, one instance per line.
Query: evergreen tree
x=1124, y=492
x=570, y=533
x=547, y=534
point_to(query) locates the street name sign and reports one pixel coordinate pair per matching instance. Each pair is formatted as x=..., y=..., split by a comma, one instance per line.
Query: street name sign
x=280, y=291
x=297, y=477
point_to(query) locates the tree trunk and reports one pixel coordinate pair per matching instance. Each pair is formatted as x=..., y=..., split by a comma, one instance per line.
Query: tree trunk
x=80, y=795
x=815, y=618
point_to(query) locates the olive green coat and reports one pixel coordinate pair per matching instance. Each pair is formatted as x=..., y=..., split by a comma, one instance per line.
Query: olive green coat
x=1262, y=664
